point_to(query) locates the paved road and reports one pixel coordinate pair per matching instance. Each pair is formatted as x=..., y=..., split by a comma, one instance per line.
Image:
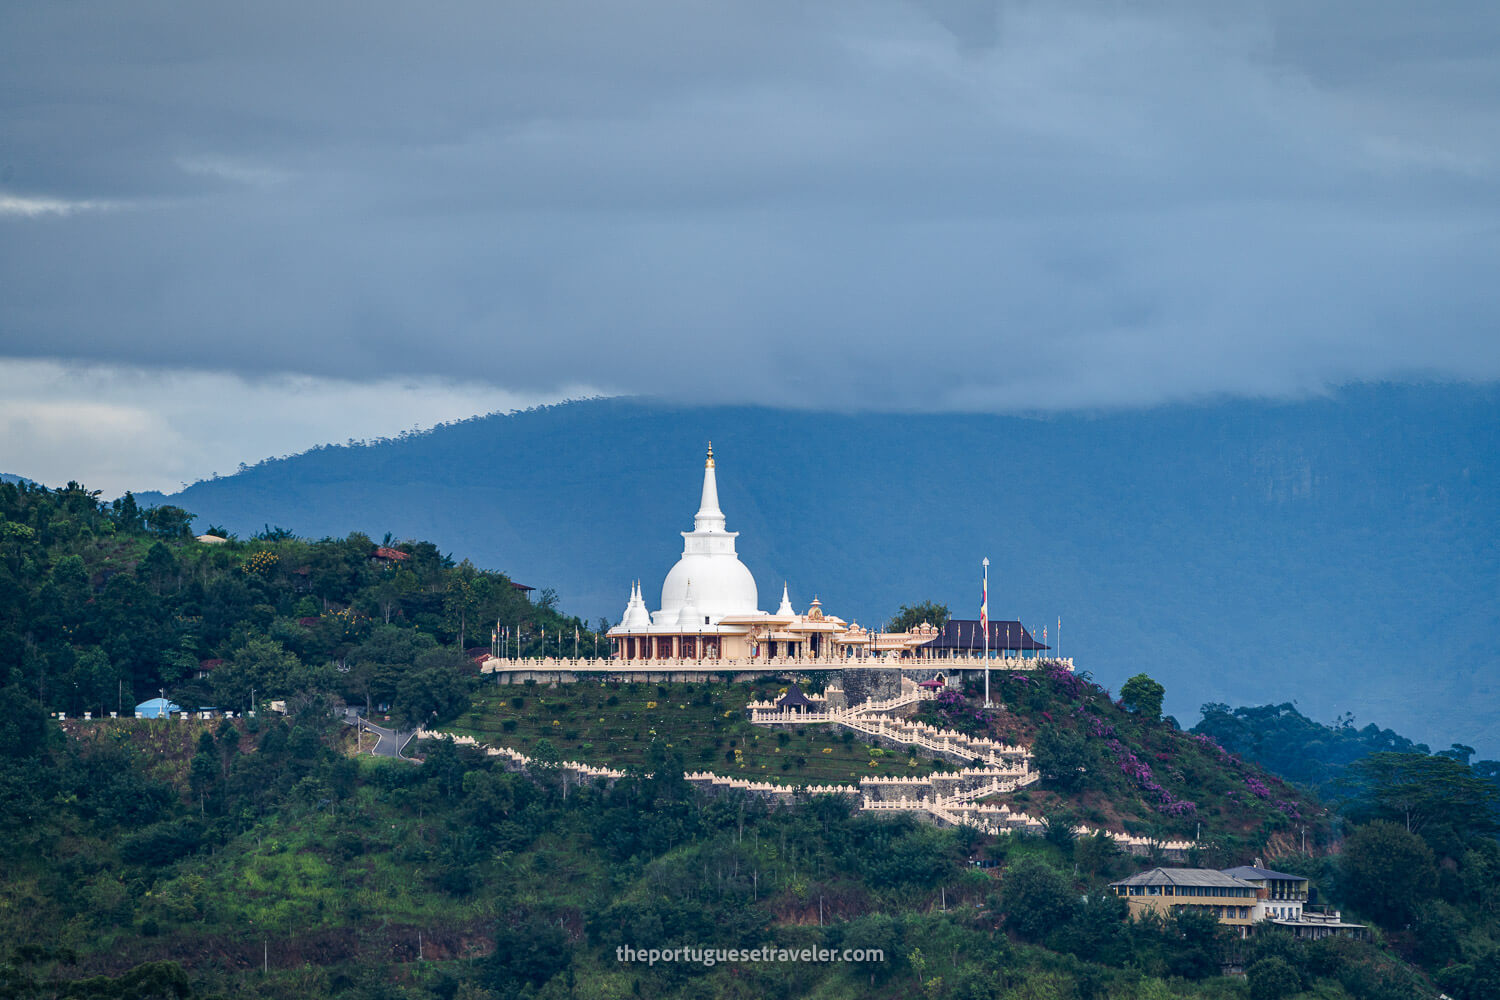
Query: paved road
x=390, y=741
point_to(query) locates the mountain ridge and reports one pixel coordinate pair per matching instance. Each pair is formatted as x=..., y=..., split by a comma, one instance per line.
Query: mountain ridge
x=1341, y=550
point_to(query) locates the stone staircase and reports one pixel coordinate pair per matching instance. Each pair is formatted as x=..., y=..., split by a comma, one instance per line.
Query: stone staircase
x=954, y=798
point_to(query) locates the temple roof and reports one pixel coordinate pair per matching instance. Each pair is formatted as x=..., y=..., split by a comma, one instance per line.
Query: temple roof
x=965, y=633
x=794, y=698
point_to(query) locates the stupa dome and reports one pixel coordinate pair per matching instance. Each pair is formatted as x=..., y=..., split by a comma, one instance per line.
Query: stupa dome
x=721, y=584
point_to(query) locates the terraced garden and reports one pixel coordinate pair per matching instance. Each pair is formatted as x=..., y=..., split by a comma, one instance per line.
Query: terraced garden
x=615, y=724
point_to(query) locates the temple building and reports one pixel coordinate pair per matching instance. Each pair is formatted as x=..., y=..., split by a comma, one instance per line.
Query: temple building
x=709, y=609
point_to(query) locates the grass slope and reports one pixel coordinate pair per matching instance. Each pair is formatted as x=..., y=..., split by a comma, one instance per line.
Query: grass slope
x=616, y=724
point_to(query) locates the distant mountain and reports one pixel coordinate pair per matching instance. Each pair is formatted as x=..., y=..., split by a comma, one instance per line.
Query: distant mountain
x=6, y=477
x=1342, y=552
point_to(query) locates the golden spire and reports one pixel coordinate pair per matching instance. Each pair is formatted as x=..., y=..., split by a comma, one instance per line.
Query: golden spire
x=710, y=463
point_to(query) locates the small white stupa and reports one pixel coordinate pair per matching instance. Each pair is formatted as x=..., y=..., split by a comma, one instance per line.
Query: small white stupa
x=636, y=615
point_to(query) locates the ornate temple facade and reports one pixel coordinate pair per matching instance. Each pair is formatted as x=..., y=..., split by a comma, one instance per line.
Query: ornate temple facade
x=709, y=609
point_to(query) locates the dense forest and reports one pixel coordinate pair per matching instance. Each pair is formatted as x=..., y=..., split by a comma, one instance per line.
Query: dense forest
x=262, y=857
x=105, y=605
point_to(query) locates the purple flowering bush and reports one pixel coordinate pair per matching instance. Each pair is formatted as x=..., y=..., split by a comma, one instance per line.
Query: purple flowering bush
x=951, y=710
x=1144, y=768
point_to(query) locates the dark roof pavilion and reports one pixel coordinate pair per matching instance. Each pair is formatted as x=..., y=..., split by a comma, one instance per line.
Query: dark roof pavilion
x=965, y=634
x=794, y=698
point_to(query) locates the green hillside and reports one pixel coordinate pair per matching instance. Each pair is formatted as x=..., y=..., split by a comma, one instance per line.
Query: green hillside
x=264, y=858
x=617, y=725
x=105, y=605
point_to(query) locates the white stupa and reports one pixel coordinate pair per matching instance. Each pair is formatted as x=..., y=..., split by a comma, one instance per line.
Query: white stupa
x=708, y=608
x=709, y=582
x=636, y=615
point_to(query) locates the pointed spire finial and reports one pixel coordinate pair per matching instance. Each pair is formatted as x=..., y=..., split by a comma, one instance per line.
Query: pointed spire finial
x=709, y=516
x=786, y=602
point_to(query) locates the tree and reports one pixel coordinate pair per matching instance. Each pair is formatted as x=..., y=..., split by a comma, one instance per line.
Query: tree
x=168, y=522
x=1272, y=979
x=1060, y=832
x=1198, y=949
x=394, y=585
x=1143, y=696
x=262, y=664
x=910, y=616
x=429, y=695
x=527, y=954
x=1097, y=931
x=1288, y=743
x=1387, y=872
x=1437, y=927
x=95, y=682
x=1064, y=757
x=127, y=513
x=377, y=665
x=1420, y=791
x=874, y=934
x=158, y=568
x=1035, y=898
x=468, y=591
x=1095, y=854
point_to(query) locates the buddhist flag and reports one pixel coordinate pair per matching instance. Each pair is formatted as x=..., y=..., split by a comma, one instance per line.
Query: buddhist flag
x=984, y=600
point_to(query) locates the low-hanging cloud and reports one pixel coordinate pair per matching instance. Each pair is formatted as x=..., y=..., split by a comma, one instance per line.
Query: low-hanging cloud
x=119, y=428
x=928, y=205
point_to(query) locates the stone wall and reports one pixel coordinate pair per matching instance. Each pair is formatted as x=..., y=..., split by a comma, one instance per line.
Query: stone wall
x=862, y=684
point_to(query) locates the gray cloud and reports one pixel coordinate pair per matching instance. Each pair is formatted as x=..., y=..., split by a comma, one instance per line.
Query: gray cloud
x=939, y=205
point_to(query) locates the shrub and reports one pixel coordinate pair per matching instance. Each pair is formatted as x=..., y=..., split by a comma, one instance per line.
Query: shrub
x=1272, y=979
x=1035, y=898
x=1387, y=871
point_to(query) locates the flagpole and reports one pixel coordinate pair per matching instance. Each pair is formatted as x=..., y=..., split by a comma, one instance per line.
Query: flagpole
x=984, y=615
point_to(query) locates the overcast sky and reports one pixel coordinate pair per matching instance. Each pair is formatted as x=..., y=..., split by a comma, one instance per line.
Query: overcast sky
x=233, y=230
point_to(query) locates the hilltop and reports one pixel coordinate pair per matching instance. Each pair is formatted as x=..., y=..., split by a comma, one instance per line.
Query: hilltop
x=1325, y=551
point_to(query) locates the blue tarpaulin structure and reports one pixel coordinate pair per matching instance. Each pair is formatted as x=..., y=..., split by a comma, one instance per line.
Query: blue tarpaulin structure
x=156, y=708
